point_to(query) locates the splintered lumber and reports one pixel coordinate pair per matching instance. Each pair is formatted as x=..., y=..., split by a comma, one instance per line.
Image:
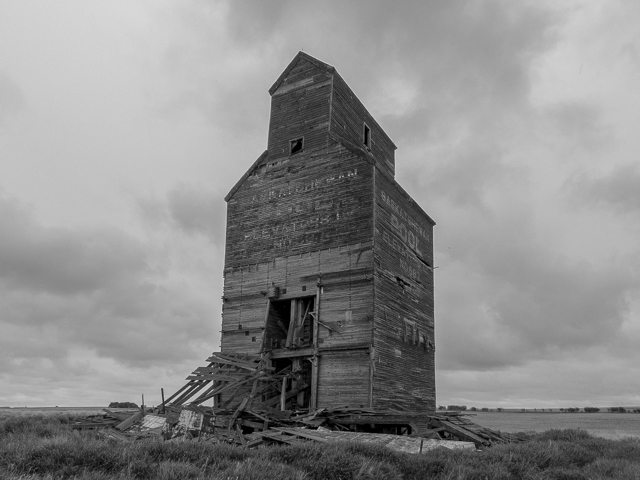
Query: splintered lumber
x=287, y=396
x=118, y=415
x=111, y=433
x=300, y=433
x=462, y=432
x=129, y=421
x=241, y=438
x=228, y=360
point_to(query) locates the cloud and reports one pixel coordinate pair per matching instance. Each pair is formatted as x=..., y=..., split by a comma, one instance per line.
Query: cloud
x=618, y=190
x=99, y=289
x=62, y=261
x=12, y=100
x=580, y=125
x=190, y=209
x=418, y=46
x=506, y=297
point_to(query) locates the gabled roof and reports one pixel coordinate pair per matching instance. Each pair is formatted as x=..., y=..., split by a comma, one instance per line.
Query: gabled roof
x=244, y=177
x=301, y=55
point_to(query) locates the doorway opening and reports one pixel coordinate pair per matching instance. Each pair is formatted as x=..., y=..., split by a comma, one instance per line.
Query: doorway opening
x=290, y=323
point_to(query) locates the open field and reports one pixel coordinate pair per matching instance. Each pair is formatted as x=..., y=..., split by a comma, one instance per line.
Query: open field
x=606, y=425
x=54, y=411
x=34, y=448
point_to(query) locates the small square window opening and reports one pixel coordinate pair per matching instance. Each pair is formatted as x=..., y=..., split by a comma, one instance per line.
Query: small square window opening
x=366, y=136
x=296, y=146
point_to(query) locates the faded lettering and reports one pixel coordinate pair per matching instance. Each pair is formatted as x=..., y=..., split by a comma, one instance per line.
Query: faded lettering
x=305, y=186
x=404, y=217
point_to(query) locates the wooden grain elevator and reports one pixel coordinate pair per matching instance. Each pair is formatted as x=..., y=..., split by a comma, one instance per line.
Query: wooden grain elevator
x=328, y=261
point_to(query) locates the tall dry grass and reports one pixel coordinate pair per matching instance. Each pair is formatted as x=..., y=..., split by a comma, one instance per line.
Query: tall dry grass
x=47, y=448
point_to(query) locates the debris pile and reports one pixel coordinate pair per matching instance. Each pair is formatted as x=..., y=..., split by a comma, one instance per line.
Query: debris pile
x=251, y=407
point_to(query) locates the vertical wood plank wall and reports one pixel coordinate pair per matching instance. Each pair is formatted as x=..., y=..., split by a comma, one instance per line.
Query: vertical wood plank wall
x=404, y=310
x=309, y=201
x=300, y=107
x=346, y=276
x=348, y=116
x=331, y=216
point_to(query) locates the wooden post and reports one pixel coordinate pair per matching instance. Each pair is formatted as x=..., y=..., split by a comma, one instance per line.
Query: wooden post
x=283, y=394
x=372, y=371
x=265, y=334
x=162, y=395
x=142, y=406
x=300, y=324
x=317, y=316
x=292, y=322
x=296, y=365
x=313, y=399
x=315, y=360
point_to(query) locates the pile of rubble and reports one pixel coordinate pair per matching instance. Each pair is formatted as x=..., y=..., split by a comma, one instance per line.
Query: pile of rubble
x=254, y=413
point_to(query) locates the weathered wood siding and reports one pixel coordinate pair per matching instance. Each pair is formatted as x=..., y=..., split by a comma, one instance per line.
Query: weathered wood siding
x=329, y=221
x=404, y=310
x=313, y=200
x=344, y=379
x=345, y=277
x=348, y=116
x=300, y=108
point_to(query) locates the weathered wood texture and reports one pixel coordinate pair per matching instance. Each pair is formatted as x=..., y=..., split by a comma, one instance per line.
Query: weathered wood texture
x=344, y=379
x=404, y=309
x=330, y=222
x=300, y=107
x=348, y=117
x=313, y=200
x=346, y=311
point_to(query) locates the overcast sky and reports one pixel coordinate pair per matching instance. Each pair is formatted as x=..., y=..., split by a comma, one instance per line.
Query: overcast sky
x=124, y=124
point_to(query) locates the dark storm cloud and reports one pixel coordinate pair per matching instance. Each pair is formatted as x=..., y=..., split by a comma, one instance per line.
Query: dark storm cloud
x=94, y=289
x=198, y=211
x=59, y=260
x=506, y=298
x=190, y=209
x=552, y=303
x=619, y=190
x=459, y=56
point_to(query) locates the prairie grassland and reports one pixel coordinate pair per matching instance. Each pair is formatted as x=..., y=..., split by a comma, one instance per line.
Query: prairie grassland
x=49, y=412
x=46, y=448
x=601, y=424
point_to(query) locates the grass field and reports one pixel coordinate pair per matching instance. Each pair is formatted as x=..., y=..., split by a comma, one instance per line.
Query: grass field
x=49, y=411
x=39, y=447
x=607, y=425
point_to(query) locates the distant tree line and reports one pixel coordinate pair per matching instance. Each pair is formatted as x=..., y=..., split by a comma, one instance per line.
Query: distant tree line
x=462, y=408
x=454, y=407
x=122, y=405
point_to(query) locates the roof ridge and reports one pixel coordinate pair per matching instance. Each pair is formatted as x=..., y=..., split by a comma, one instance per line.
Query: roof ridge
x=301, y=55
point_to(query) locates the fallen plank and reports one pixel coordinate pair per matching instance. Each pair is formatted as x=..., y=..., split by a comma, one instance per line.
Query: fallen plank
x=300, y=433
x=118, y=415
x=129, y=421
x=463, y=433
x=111, y=433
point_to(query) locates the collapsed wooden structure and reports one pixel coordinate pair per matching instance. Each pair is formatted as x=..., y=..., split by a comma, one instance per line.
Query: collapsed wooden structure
x=257, y=416
x=328, y=315
x=263, y=407
x=328, y=261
